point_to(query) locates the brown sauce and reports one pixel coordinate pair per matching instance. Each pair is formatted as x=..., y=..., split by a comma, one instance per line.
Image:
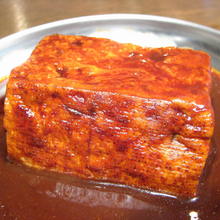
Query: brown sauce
x=29, y=194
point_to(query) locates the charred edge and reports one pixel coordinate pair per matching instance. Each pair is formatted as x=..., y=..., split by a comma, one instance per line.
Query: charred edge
x=62, y=71
x=55, y=95
x=157, y=57
x=133, y=173
x=78, y=43
x=37, y=142
x=122, y=146
x=92, y=110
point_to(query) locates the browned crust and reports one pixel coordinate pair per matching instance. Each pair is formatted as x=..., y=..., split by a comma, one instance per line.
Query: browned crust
x=114, y=112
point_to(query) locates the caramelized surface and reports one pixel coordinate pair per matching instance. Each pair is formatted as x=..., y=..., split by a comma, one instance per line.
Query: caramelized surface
x=112, y=112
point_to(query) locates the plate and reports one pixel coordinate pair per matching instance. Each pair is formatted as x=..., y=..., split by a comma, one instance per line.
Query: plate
x=144, y=30
x=44, y=195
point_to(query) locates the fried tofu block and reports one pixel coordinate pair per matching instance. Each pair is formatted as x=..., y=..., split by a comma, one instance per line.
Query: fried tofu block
x=106, y=111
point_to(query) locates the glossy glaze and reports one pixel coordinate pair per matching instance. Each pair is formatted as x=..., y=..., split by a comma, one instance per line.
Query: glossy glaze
x=112, y=112
x=32, y=194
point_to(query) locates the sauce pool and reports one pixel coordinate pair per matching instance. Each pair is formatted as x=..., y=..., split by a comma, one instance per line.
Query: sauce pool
x=27, y=193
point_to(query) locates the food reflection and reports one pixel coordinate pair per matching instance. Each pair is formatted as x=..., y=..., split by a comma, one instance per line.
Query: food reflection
x=92, y=197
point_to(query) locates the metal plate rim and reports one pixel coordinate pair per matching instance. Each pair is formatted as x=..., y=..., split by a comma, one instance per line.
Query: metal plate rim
x=103, y=17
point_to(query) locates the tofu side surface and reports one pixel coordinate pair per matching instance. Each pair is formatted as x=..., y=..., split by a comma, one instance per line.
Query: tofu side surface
x=113, y=112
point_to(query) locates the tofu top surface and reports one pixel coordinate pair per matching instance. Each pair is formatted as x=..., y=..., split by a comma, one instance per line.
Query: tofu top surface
x=98, y=64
